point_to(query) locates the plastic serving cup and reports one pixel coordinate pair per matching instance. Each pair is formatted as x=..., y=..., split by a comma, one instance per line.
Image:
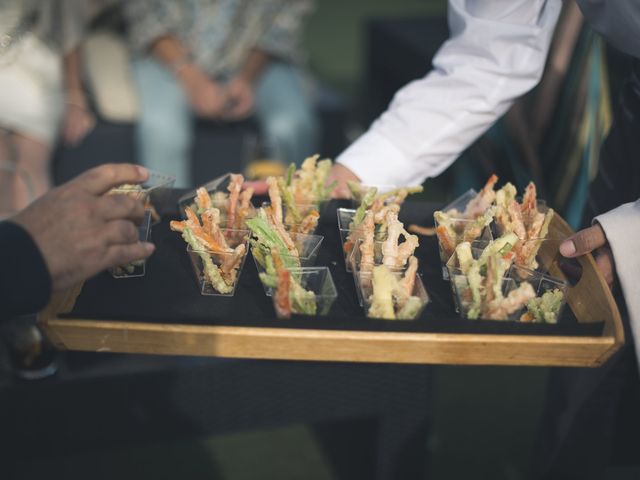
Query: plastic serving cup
x=541, y=283
x=355, y=262
x=135, y=269
x=320, y=282
x=366, y=286
x=459, y=225
x=345, y=216
x=515, y=276
x=308, y=247
x=234, y=238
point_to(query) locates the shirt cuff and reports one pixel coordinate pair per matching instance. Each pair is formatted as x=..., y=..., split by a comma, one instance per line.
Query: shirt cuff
x=622, y=228
x=376, y=161
x=25, y=282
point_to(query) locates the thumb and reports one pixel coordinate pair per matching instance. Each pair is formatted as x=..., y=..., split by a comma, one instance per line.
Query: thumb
x=583, y=242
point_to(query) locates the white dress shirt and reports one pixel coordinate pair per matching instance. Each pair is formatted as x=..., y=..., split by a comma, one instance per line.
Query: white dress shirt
x=496, y=53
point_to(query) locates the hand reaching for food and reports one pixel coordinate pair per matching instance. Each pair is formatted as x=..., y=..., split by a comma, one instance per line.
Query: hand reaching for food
x=80, y=231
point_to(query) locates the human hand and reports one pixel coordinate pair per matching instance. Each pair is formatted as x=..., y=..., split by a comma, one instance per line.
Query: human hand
x=207, y=98
x=80, y=231
x=341, y=174
x=78, y=122
x=592, y=240
x=239, y=98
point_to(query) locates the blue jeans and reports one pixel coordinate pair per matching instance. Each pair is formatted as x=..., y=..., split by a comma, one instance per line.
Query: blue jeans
x=165, y=128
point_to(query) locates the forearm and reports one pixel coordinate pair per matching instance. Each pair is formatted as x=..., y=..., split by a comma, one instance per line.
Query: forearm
x=74, y=90
x=254, y=65
x=171, y=52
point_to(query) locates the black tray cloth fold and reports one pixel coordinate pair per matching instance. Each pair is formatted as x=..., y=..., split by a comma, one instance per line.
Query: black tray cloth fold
x=168, y=293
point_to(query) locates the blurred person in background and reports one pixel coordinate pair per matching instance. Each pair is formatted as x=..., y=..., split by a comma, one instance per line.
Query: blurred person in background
x=220, y=60
x=41, y=90
x=30, y=102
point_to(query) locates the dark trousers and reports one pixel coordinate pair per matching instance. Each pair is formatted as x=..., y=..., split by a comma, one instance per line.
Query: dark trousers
x=591, y=418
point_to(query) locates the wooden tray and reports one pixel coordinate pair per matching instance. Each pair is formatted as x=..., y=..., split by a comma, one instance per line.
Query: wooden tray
x=590, y=301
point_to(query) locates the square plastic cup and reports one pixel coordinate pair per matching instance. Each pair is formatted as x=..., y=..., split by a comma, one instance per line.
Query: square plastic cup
x=308, y=247
x=542, y=284
x=459, y=225
x=541, y=206
x=345, y=217
x=135, y=269
x=198, y=258
x=366, y=287
x=357, y=266
x=462, y=293
x=319, y=281
x=457, y=206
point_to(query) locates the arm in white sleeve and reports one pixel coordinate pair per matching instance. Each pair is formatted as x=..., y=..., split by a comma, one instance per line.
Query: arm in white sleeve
x=622, y=228
x=496, y=53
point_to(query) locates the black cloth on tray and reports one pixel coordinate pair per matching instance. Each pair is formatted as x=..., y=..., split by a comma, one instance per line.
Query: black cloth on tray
x=168, y=293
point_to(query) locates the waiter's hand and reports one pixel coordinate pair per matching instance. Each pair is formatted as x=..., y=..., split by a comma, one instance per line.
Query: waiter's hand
x=80, y=231
x=592, y=240
x=341, y=174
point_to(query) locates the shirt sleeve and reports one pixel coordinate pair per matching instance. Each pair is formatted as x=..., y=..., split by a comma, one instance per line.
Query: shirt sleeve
x=622, y=228
x=148, y=20
x=25, y=283
x=496, y=52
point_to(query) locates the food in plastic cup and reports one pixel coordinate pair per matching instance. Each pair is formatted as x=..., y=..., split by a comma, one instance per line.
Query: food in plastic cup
x=307, y=246
x=319, y=281
x=345, y=216
x=355, y=261
x=229, y=266
x=366, y=287
x=290, y=223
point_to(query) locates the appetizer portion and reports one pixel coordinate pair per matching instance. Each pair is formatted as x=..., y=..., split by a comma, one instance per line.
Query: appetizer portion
x=308, y=184
x=487, y=285
x=233, y=203
x=525, y=219
x=297, y=218
x=394, y=296
x=383, y=211
x=218, y=254
x=272, y=243
x=304, y=291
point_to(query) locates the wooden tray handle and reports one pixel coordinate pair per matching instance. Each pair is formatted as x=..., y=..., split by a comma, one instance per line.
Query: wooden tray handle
x=590, y=299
